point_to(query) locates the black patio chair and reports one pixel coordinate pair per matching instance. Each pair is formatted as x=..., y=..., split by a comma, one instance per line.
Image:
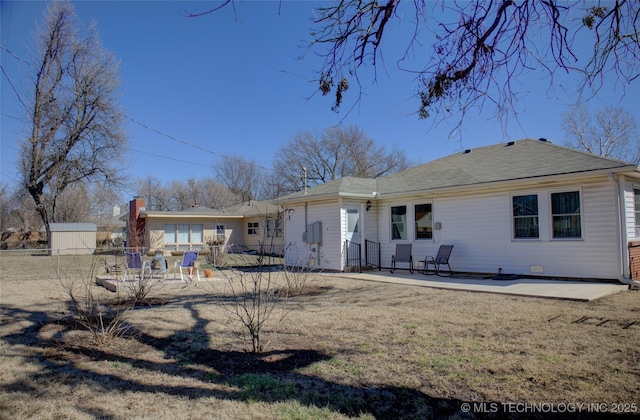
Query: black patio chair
x=440, y=260
x=402, y=255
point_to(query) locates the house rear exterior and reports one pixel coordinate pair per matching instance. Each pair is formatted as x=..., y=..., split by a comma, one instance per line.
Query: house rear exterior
x=249, y=227
x=526, y=207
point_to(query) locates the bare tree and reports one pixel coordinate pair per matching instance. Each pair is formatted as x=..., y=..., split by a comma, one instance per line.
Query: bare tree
x=214, y=195
x=156, y=196
x=243, y=178
x=74, y=121
x=610, y=132
x=471, y=53
x=72, y=204
x=332, y=154
x=7, y=206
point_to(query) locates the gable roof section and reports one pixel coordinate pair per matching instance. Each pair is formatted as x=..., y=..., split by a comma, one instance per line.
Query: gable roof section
x=347, y=186
x=517, y=160
x=512, y=161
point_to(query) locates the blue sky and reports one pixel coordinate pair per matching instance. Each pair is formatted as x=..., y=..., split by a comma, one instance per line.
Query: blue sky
x=232, y=84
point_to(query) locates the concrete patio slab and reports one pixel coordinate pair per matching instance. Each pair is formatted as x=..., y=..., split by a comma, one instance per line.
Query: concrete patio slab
x=557, y=289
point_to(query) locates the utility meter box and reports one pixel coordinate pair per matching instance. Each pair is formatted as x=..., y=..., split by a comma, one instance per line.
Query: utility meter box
x=313, y=233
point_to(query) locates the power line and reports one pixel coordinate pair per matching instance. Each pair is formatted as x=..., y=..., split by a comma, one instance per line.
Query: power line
x=133, y=120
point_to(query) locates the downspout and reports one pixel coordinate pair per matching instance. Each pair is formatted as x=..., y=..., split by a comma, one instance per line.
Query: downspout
x=622, y=232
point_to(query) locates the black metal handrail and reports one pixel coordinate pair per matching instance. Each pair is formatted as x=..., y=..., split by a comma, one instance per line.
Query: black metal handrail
x=372, y=254
x=353, y=252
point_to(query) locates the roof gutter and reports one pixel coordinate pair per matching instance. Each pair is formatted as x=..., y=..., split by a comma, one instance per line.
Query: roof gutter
x=622, y=231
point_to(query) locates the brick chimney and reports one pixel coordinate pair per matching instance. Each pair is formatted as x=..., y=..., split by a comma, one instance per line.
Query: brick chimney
x=136, y=223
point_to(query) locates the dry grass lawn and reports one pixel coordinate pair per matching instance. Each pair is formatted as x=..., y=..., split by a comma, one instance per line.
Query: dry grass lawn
x=349, y=349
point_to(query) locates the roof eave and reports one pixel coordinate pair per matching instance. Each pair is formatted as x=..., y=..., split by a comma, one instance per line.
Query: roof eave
x=492, y=185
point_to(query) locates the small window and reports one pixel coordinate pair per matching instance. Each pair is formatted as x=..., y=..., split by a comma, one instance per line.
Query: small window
x=565, y=211
x=399, y=222
x=252, y=228
x=424, y=221
x=525, y=216
x=220, y=232
x=353, y=216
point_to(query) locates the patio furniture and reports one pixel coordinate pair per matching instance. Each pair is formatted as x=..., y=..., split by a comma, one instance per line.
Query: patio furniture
x=188, y=264
x=135, y=265
x=439, y=261
x=402, y=255
x=158, y=265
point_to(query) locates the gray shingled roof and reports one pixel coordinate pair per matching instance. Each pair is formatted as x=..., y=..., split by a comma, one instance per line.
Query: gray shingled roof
x=254, y=208
x=517, y=160
x=345, y=186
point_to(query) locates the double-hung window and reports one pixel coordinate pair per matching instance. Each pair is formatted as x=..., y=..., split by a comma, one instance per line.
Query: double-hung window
x=399, y=222
x=220, y=232
x=566, y=215
x=423, y=221
x=274, y=227
x=525, y=216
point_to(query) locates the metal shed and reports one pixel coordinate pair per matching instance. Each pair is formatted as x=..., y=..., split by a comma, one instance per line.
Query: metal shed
x=72, y=238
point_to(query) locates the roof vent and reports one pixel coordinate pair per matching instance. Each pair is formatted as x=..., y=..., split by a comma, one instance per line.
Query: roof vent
x=467, y=151
x=511, y=143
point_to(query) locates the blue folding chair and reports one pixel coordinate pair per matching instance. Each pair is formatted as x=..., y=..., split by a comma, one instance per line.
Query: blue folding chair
x=188, y=264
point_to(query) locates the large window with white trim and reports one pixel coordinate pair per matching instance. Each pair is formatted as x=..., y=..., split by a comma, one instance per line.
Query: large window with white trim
x=399, y=223
x=525, y=216
x=566, y=215
x=183, y=236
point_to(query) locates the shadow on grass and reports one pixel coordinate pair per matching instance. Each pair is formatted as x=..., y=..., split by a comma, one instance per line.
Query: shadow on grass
x=273, y=376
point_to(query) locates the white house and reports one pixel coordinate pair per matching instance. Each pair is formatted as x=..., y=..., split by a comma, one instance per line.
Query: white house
x=525, y=207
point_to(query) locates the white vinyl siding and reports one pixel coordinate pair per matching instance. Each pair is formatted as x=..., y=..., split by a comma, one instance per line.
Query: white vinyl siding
x=480, y=228
x=324, y=255
x=636, y=210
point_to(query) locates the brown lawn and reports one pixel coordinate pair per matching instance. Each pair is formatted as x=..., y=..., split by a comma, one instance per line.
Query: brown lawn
x=347, y=348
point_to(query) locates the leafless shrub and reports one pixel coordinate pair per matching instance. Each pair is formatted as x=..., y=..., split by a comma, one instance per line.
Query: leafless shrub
x=137, y=291
x=298, y=280
x=89, y=310
x=255, y=301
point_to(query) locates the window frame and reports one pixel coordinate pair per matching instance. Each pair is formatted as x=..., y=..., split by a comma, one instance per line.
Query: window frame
x=402, y=223
x=636, y=209
x=178, y=243
x=253, y=228
x=514, y=217
x=429, y=229
x=553, y=216
x=275, y=227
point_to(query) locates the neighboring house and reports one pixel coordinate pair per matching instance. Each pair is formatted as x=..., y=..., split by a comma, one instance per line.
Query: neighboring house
x=113, y=225
x=525, y=207
x=250, y=227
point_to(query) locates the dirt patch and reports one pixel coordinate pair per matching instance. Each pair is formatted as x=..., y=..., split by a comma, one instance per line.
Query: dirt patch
x=346, y=348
